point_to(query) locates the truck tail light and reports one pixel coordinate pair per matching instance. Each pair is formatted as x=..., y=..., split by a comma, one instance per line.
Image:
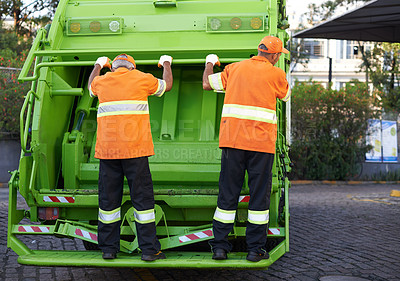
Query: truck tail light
x=256, y=23
x=75, y=27
x=48, y=213
x=236, y=23
x=95, y=26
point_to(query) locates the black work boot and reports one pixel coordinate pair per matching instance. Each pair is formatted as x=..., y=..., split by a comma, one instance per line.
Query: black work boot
x=219, y=254
x=255, y=257
x=152, y=257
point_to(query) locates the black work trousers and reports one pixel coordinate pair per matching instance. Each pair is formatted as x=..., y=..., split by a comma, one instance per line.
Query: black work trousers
x=234, y=163
x=111, y=180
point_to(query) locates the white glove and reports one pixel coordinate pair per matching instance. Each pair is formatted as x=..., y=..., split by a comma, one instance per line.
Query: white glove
x=163, y=59
x=103, y=62
x=213, y=59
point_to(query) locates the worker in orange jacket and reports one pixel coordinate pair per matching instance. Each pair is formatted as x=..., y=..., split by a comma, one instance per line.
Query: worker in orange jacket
x=123, y=145
x=247, y=138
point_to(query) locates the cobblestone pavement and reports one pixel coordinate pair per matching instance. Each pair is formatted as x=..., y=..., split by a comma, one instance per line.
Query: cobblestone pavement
x=335, y=230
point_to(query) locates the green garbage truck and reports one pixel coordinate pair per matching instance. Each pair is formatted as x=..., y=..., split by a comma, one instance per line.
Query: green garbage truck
x=58, y=174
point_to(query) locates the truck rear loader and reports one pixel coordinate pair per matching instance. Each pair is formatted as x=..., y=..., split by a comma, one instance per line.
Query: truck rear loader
x=58, y=174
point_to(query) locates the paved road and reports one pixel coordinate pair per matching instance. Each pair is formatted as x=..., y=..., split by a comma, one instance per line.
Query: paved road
x=336, y=230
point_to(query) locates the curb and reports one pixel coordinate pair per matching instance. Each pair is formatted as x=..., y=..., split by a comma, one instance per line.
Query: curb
x=326, y=182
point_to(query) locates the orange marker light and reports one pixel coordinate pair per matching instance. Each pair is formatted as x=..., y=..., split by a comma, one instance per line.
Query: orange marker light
x=95, y=26
x=256, y=23
x=236, y=23
x=75, y=27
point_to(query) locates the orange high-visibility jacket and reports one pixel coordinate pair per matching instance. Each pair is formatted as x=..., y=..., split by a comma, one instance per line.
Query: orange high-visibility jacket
x=123, y=121
x=248, y=118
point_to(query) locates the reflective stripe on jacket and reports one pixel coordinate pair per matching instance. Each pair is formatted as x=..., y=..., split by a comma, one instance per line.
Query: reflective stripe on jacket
x=249, y=112
x=122, y=108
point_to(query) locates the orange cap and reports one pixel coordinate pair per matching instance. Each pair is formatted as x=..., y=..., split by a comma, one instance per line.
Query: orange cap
x=128, y=58
x=273, y=44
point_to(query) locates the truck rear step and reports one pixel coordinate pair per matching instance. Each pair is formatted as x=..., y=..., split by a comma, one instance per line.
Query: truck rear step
x=174, y=259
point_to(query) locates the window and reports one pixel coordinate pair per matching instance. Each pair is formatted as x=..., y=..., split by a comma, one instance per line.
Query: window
x=314, y=48
x=354, y=50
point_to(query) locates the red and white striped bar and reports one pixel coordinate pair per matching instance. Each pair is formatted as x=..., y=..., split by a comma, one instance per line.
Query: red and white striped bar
x=59, y=199
x=195, y=236
x=243, y=199
x=274, y=231
x=33, y=229
x=86, y=234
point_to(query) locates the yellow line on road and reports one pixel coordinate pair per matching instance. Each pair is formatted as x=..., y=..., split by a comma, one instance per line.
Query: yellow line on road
x=395, y=193
x=368, y=200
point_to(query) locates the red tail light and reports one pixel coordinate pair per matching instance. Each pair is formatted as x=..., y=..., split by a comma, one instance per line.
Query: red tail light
x=48, y=213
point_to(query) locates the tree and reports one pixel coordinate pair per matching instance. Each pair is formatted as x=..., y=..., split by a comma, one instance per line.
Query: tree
x=12, y=56
x=23, y=13
x=324, y=11
x=382, y=64
x=14, y=46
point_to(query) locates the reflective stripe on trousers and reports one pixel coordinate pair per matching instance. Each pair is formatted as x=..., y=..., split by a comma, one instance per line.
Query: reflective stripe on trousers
x=145, y=216
x=224, y=216
x=110, y=216
x=258, y=217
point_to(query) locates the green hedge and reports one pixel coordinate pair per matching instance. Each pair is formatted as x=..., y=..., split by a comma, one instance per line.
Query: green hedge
x=11, y=95
x=329, y=129
x=13, y=52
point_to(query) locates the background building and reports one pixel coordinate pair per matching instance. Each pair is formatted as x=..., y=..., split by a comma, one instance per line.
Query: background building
x=346, y=61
